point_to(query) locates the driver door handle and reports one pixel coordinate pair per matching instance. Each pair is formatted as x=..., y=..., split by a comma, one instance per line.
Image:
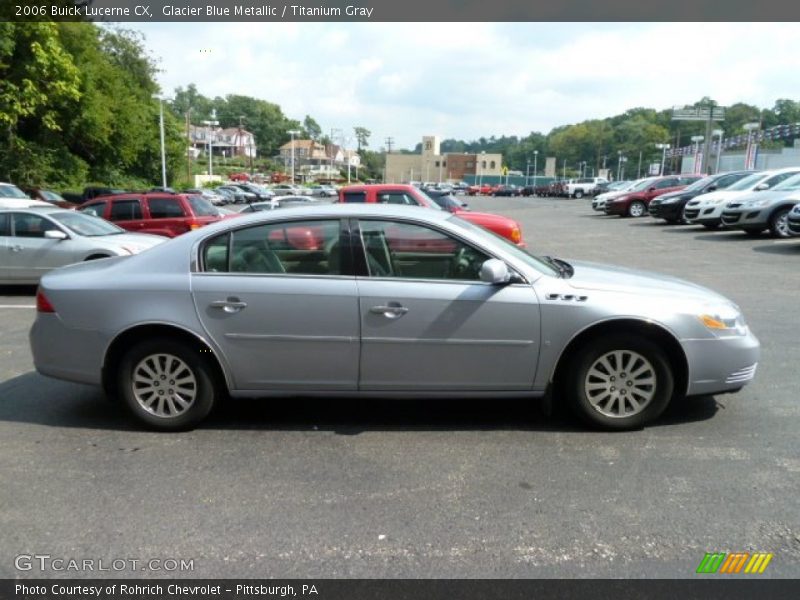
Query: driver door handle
x=391, y=312
x=231, y=305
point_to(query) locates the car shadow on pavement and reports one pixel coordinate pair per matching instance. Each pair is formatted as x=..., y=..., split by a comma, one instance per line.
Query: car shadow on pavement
x=726, y=236
x=785, y=249
x=32, y=398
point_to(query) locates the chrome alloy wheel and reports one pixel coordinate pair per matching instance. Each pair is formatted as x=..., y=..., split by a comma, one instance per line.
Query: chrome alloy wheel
x=782, y=225
x=637, y=209
x=621, y=383
x=164, y=385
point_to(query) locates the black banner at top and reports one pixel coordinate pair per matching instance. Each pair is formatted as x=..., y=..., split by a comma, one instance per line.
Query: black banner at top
x=396, y=11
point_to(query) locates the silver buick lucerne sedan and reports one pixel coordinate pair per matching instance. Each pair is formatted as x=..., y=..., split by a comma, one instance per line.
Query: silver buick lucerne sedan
x=381, y=300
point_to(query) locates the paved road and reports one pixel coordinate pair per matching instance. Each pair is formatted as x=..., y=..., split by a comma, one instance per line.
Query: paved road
x=324, y=488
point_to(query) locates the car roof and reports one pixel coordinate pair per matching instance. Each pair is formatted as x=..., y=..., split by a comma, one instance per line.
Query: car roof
x=37, y=209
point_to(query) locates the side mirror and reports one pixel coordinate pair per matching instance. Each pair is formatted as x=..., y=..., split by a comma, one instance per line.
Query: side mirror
x=651, y=189
x=495, y=271
x=762, y=186
x=55, y=234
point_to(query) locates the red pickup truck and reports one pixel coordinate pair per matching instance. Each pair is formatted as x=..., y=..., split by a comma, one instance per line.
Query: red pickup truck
x=389, y=193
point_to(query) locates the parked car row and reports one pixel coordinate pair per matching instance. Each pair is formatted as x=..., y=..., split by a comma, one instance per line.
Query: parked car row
x=751, y=201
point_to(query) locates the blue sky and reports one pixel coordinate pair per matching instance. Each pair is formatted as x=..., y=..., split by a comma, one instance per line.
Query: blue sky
x=467, y=80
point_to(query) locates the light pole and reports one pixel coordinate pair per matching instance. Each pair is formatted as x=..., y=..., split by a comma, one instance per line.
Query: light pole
x=480, y=180
x=619, y=164
x=527, y=171
x=163, y=150
x=292, y=133
x=719, y=133
x=535, y=155
x=750, y=155
x=210, y=124
x=663, y=148
x=697, y=139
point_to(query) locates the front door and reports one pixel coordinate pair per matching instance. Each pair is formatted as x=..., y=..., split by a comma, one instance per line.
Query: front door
x=429, y=324
x=29, y=254
x=273, y=298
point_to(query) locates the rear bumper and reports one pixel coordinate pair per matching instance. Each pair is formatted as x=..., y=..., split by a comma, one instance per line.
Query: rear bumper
x=64, y=353
x=721, y=365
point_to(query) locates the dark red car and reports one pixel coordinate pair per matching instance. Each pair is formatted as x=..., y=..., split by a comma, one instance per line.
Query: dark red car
x=635, y=202
x=387, y=193
x=157, y=213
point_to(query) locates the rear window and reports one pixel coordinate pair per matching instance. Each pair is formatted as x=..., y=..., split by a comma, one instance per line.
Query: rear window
x=201, y=207
x=355, y=196
x=165, y=208
x=123, y=210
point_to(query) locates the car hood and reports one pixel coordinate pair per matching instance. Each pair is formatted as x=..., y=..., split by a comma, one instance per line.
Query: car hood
x=610, y=195
x=133, y=241
x=485, y=219
x=670, y=195
x=771, y=196
x=612, y=278
x=720, y=195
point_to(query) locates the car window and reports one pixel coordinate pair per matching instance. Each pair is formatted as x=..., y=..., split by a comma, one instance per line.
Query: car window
x=31, y=226
x=687, y=180
x=355, y=196
x=200, y=206
x=775, y=180
x=408, y=250
x=292, y=247
x=122, y=210
x=727, y=180
x=396, y=198
x=165, y=208
x=5, y=224
x=665, y=183
x=95, y=209
x=12, y=191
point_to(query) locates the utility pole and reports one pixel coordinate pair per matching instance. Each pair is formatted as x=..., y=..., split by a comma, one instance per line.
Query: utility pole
x=389, y=143
x=189, y=149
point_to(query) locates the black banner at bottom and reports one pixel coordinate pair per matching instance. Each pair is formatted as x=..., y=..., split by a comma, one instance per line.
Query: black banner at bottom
x=398, y=589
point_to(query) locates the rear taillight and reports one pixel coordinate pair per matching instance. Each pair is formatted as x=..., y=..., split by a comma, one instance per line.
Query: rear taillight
x=43, y=304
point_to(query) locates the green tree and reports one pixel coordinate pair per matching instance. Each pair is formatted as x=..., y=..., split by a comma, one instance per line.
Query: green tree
x=312, y=128
x=362, y=137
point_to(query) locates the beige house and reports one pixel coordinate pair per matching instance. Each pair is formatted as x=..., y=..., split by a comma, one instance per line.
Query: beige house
x=432, y=165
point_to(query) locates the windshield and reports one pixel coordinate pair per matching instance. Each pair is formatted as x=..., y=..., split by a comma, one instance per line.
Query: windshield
x=523, y=255
x=640, y=185
x=431, y=202
x=51, y=196
x=85, y=224
x=619, y=185
x=748, y=182
x=698, y=185
x=788, y=185
x=12, y=191
x=202, y=207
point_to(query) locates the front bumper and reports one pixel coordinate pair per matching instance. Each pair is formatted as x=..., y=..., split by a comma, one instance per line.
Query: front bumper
x=745, y=219
x=616, y=208
x=703, y=215
x=721, y=365
x=671, y=210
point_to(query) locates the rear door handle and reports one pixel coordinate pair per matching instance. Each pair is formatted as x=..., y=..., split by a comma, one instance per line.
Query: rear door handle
x=231, y=305
x=390, y=312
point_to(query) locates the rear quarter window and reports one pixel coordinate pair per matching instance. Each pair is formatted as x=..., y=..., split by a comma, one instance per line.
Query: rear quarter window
x=165, y=208
x=355, y=196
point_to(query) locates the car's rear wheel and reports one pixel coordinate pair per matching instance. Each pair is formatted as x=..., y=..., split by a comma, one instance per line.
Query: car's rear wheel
x=167, y=384
x=636, y=209
x=579, y=193
x=619, y=382
x=779, y=223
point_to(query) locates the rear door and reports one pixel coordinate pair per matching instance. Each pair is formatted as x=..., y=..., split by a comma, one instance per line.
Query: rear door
x=127, y=213
x=167, y=214
x=278, y=301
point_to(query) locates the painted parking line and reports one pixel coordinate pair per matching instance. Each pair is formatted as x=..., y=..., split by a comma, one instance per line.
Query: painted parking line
x=17, y=306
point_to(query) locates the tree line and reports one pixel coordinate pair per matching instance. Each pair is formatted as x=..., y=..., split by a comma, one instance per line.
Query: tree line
x=80, y=104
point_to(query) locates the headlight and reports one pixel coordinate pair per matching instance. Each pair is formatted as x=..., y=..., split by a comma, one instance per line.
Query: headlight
x=755, y=203
x=724, y=320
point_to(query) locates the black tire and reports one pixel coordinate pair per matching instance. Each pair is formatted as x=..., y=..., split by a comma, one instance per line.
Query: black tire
x=579, y=194
x=636, y=209
x=206, y=388
x=711, y=225
x=585, y=359
x=778, y=225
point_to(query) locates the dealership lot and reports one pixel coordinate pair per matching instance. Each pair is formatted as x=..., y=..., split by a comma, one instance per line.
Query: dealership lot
x=326, y=488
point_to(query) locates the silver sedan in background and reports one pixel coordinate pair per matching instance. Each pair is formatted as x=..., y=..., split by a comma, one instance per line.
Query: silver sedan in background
x=35, y=240
x=381, y=300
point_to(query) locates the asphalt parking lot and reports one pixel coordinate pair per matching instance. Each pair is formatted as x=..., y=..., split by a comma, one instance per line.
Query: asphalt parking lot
x=355, y=488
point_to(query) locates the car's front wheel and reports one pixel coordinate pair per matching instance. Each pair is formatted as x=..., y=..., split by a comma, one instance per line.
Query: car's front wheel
x=579, y=194
x=619, y=382
x=779, y=224
x=167, y=384
x=636, y=209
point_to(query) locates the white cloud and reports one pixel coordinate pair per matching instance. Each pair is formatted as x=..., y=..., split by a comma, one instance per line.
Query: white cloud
x=468, y=80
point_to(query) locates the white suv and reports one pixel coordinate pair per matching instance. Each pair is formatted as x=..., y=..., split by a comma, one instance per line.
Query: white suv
x=583, y=186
